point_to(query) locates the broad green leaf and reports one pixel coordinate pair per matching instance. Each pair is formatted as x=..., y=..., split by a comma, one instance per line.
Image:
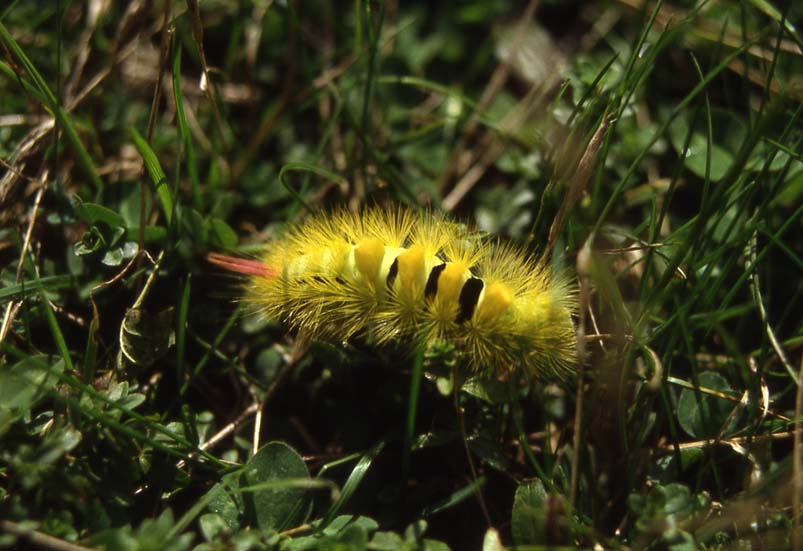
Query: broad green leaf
x=342, y=521
x=92, y=213
x=226, y=501
x=146, y=337
x=703, y=415
x=387, y=541
x=696, y=154
x=351, y=538
x=489, y=390
x=152, y=233
x=412, y=541
x=529, y=513
x=490, y=451
x=220, y=234
x=667, y=468
x=22, y=385
x=212, y=526
x=118, y=255
x=343, y=530
x=658, y=515
x=151, y=534
x=276, y=507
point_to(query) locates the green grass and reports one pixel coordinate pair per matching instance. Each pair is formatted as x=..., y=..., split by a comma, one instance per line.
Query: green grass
x=655, y=152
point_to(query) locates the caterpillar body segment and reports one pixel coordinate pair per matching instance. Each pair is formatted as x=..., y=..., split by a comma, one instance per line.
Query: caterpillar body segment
x=400, y=276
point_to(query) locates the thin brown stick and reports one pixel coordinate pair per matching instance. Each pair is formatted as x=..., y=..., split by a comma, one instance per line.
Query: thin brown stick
x=13, y=306
x=583, y=264
x=472, y=468
x=734, y=441
x=577, y=184
x=254, y=408
x=34, y=212
x=40, y=538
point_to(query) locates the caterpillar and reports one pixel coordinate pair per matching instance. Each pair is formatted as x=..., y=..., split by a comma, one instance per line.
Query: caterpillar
x=399, y=275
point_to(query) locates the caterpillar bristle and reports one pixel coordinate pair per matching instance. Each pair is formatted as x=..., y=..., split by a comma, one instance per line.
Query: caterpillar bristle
x=240, y=265
x=403, y=276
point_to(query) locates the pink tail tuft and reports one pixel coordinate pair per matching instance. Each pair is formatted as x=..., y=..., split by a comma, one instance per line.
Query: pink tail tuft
x=241, y=265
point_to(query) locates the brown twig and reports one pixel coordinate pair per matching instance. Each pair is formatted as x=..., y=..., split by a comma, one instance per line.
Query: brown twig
x=13, y=306
x=40, y=538
x=583, y=265
x=577, y=184
x=797, y=462
x=464, y=437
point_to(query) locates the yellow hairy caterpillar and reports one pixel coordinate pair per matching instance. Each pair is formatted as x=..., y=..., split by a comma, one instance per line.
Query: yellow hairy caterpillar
x=403, y=276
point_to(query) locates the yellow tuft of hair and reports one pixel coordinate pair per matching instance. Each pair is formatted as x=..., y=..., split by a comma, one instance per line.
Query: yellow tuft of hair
x=401, y=276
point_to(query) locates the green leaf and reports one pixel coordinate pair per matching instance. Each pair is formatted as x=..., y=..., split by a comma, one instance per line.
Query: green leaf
x=703, y=415
x=454, y=498
x=184, y=130
x=351, y=538
x=490, y=451
x=156, y=173
x=91, y=242
x=151, y=534
x=118, y=255
x=220, y=234
x=658, y=514
x=55, y=444
x=435, y=438
x=194, y=225
x=22, y=385
x=529, y=514
x=279, y=506
x=353, y=482
x=56, y=333
x=212, y=526
x=696, y=155
x=343, y=530
x=152, y=233
x=412, y=541
x=145, y=337
x=226, y=501
x=489, y=390
x=773, y=12
x=47, y=283
x=92, y=213
x=342, y=521
x=667, y=466
x=387, y=541
x=306, y=167
x=682, y=541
